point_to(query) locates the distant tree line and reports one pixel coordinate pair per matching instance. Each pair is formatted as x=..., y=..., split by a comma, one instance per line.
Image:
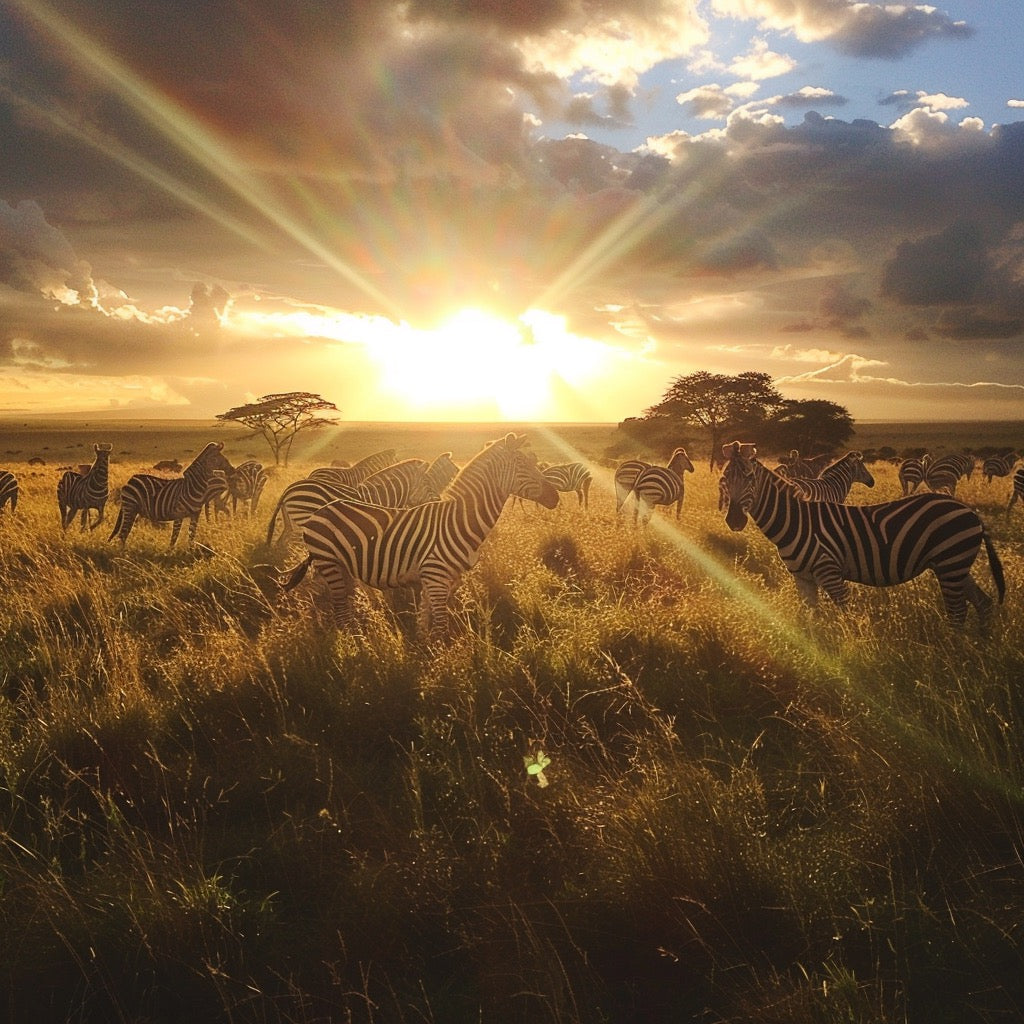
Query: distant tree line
x=746, y=407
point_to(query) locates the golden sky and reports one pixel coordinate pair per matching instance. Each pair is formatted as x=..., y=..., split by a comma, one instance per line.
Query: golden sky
x=474, y=211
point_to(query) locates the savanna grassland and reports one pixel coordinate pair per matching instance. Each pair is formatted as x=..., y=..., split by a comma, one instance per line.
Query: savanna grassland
x=213, y=807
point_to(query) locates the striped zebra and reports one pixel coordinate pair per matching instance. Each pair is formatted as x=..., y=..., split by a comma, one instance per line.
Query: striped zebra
x=161, y=500
x=571, y=477
x=943, y=474
x=824, y=544
x=432, y=544
x=661, y=485
x=912, y=473
x=999, y=465
x=625, y=476
x=8, y=489
x=246, y=484
x=796, y=468
x=398, y=486
x=299, y=500
x=835, y=481
x=80, y=492
x=1017, y=489
x=440, y=473
x=351, y=475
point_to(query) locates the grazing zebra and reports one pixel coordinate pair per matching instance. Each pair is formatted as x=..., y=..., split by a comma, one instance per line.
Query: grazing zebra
x=1017, y=491
x=432, y=544
x=161, y=500
x=999, y=465
x=351, y=475
x=825, y=544
x=661, y=485
x=8, y=489
x=944, y=474
x=835, y=481
x=912, y=473
x=80, y=492
x=571, y=477
x=246, y=484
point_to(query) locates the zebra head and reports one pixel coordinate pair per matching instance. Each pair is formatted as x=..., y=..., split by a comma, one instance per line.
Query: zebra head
x=527, y=479
x=680, y=462
x=861, y=473
x=736, y=486
x=211, y=459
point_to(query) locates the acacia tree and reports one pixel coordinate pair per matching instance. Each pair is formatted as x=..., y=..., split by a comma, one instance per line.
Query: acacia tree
x=810, y=425
x=278, y=418
x=717, y=403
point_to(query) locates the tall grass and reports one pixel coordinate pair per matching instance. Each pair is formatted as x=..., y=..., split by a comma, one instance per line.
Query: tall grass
x=215, y=807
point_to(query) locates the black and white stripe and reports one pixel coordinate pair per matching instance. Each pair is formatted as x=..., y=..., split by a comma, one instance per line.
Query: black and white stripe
x=827, y=545
x=625, y=476
x=999, y=465
x=349, y=476
x=912, y=473
x=944, y=473
x=661, y=485
x=80, y=492
x=246, y=485
x=396, y=486
x=836, y=480
x=432, y=544
x=299, y=500
x=571, y=478
x=8, y=489
x=793, y=467
x=173, y=501
x=1017, y=489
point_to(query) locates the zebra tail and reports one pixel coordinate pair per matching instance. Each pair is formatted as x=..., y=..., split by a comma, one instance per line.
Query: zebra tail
x=117, y=524
x=272, y=523
x=995, y=565
x=295, y=576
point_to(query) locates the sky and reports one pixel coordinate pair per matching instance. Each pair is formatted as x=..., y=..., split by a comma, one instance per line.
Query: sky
x=510, y=209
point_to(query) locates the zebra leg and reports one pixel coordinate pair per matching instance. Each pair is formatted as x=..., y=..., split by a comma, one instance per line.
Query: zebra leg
x=175, y=530
x=435, y=620
x=193, y=525
x=954, y=597
x=983, y=604
x=341, y=589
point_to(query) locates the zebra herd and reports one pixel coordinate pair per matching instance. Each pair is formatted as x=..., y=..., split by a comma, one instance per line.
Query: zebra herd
x=390, y=523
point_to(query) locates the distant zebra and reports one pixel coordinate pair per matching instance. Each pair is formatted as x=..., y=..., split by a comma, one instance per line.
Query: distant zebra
x=999, y=465
x=351, y=475
x=836, y=480
x=912, y=473
x=8, y=489
x=80, y=492
x=246, y=484
x=661, y=485
x=161, y=500
x=944, y=473
x=825, y=544
x=1017, y=490
x=796, y=468
x=432, y=544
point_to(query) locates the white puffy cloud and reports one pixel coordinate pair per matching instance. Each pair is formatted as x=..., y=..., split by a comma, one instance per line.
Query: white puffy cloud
x=759, y=62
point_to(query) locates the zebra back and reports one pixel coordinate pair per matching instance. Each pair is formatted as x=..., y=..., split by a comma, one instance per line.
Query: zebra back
x=835, y=481
x=912, y=472
x=999, y=465
x=350, y=476
x=299, y=500
x=395, y=485
x=8, y=489
x=625, y=476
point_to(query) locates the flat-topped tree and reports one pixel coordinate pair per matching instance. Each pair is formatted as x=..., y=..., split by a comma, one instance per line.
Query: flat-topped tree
x=278, y=418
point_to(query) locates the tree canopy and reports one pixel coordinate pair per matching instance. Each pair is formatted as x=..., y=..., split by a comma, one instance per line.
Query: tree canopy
x=811, y=425
x=278, y=418
x=717, y=404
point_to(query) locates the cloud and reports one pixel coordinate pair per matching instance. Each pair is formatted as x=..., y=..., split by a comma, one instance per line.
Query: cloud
x=709, y=102
x=886, y=31
x=811, y=96
x=759, y=62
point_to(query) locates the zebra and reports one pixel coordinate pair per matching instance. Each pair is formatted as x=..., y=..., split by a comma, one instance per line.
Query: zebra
x=299, y=500
x=571, y=477
x=999, y=465
x=440, y=473
x=1017, y=491
x=80, y=492
x=835, y=481
x=625, y=476
x=826, y=544
x=8, y=489
x=246, y=484
x=396, y=486
x=161, y=500
x=432, y=544
x=352, y=475
x=794, y=467
x=661, y=485
x=912, y=473
x=943, y=474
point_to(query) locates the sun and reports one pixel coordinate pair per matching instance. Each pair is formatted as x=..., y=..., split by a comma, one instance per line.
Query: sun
x=479, y=366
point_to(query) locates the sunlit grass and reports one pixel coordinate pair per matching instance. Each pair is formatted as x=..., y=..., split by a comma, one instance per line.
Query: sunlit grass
x=214, y=806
